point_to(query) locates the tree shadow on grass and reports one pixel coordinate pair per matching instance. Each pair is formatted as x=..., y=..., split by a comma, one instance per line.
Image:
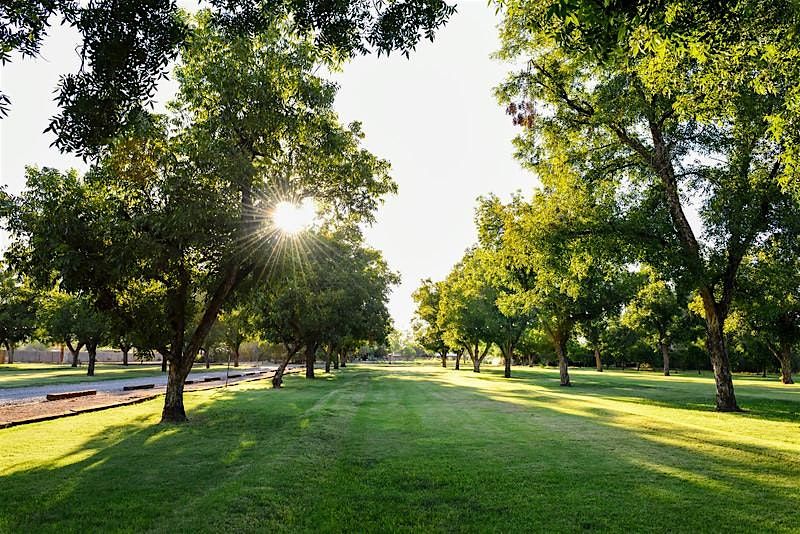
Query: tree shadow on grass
x=389, y=449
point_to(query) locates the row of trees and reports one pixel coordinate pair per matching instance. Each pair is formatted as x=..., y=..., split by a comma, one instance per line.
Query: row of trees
x=662, y=137
x=172, y=224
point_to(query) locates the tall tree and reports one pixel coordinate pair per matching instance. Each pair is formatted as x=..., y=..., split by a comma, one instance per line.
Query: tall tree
x=636, y=112
x=191, y=198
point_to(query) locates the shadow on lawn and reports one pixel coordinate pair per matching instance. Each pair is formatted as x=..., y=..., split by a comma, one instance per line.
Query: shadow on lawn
x=264, y=460
x=663, y=392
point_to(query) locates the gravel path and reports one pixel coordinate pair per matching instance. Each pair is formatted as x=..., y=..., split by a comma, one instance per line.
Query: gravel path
x=38, y=393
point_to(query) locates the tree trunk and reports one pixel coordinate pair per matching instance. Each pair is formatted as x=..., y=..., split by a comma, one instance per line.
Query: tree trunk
x=444, y=359
x=125, y=351
x=174, y=411
x=311, y=359
x=476, y=364
x=715, y=343
x=164, y=365
x=328, y=361
x=277, y=379
x=75, y=351
x=507, y=367
x=336, y=358
x=665, y=355
x=236, y=356
x=563, y=366
x=10, y=352
x=598, y=362
x=343, y=356
x=786, y=363
x=458, y=361
x=91, y=348
x=661, y=162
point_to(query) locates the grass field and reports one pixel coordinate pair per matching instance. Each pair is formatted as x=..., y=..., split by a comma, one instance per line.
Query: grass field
x=17, y=375
x=401, y=448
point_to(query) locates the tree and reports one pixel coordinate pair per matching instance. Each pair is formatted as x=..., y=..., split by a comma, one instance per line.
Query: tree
x=332, y=296
x=770, y=302
x=634, y=114
x=427, y=331
x=74, y=321
x=17, y=311
x=654, y=311
x=190, y=197
x=466, y=309
x=235, y=326
x=128, y=45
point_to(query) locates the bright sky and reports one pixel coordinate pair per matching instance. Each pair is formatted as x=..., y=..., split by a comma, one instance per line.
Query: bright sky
x=432, y=116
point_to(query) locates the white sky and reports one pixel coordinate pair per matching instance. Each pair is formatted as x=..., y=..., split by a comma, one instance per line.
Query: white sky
x=432, y=116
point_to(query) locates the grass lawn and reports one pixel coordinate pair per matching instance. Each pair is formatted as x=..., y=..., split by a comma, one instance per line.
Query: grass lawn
x=402, y=448
x=17, y=375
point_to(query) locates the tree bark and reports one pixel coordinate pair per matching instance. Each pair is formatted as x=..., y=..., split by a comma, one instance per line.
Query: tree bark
x=507, y=365
x=785, y=357
x=174, y=411
x=563, y=365
x=75, y=351
x=277, y=378
x=458, y=360
x=343, y=356
x=236, y=355
x=311, y=358
x=328, y=361
x=125, y=350
x=164, y=365
x=10, y=352
x=336, y=358
x=664, y=346
x=598, y=362
x=91, y=348
x=443, y=355
x=715, y=343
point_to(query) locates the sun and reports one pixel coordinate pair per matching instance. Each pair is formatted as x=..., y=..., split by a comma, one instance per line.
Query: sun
x=291, y=218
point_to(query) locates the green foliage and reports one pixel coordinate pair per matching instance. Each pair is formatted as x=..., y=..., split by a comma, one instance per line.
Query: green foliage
x=17, y=309
x=128, y=45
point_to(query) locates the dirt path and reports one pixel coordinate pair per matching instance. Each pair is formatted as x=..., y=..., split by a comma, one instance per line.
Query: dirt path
x=38, y=409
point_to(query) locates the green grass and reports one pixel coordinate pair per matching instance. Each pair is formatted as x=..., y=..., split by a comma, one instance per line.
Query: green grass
x=17, y=375
x=418, y=448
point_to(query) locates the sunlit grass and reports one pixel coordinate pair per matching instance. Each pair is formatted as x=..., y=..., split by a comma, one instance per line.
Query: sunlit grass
x=410, y=447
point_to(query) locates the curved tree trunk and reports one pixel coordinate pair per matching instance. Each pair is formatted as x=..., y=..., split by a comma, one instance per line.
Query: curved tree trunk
x=785, y=357
x=277, y=378
x=598, y=362
x=563, y=364
x=665, y=355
